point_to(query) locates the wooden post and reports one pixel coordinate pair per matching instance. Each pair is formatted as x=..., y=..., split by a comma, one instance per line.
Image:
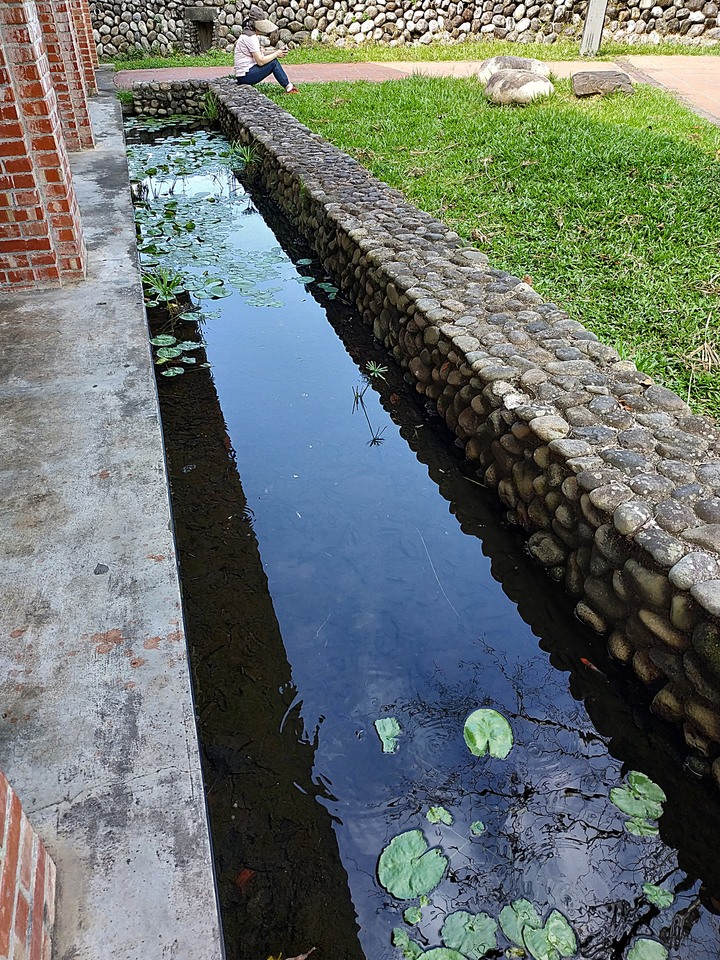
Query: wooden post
x=592, y=31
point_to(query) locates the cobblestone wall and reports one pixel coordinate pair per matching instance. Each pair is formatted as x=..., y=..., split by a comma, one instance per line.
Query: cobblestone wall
x=616, y=482
x=164, y=25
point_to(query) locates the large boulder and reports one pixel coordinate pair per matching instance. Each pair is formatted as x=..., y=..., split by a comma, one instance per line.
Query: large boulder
x=590, y=83
x=495, y=64
x=517, y=86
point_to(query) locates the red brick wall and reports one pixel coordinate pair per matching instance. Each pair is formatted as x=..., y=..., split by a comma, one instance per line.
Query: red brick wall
x=40, y=231
x=27, y=884
x=68, y=77
x=86, y=43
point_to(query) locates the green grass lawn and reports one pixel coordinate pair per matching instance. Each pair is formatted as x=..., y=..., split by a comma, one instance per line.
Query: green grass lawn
x=325, y=53
x=611, y=206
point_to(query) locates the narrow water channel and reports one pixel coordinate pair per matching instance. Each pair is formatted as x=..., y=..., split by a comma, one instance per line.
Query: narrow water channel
x=338, y=568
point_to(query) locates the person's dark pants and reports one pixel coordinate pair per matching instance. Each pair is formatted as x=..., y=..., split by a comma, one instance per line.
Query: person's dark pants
x=256, y=74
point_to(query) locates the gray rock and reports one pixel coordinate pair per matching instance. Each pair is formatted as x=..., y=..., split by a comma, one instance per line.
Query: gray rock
x=651, y=587
x=588, y=83
x=708, y=510
x=707, y=536
x=547, y=549
x=708, y=596
x=674, y=516
x=664, y=630
x=494, y=65
x=610, y=496
x=549, y=428
x=665, y=549
x=706, y=643
x=630, y=517
x=651, y=485
x=508, y=87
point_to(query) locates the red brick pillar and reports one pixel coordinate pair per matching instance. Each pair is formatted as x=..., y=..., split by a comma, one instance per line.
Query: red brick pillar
x=68, y=78
x=27, y=884
x=80, y=10
x=40, y=232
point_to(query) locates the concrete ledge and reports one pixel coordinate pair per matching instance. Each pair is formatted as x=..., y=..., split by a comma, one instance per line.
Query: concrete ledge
x=614, y=478
x=97, y=733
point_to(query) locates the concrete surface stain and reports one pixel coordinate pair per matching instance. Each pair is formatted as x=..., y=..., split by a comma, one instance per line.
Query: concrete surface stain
x=137, y=662
x=155, y=556
x=152, y=643
x=18, y=633
x=106, y=641
x=175, y=636
x=102, y=475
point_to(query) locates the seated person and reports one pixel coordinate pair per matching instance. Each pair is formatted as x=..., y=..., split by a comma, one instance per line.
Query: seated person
x=251, y=65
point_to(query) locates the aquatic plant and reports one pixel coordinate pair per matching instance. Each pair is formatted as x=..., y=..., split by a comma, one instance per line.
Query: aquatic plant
x=408, y=867
x=487, y=731
x=169, y=349
x=388, y=729
x=162, y=286
x=211, y=106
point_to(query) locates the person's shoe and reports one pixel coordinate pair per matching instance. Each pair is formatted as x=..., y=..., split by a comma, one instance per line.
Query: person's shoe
x=293, y=89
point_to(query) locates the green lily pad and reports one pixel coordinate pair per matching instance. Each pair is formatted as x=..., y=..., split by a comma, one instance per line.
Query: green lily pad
x=477, y=828
x=412, y=915
x=172, y=372
x=472, y=934
x=388, y=729
x=641, y=828
x=487, y=731
x=442, y=953
x=658, y=896
x=163, y=340
x=634, y=806
x=515, y=917
x=647, y=950
x=538, y=945
x=169, y=353
x=409, y=949
x=439, y=815
x=188, y=345
x=407, y=867
x=304, y=262
x=643, y=786
x=560, y=934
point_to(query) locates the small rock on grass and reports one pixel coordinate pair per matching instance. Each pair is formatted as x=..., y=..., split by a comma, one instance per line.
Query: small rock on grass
x=488, y=67
x=517, y=87
x=589, y=83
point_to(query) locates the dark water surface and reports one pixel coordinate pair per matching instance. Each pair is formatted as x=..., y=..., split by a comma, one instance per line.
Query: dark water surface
x=338, y=567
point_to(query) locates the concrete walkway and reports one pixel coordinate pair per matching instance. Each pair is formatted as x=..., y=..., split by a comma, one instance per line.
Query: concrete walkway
x=695, y=79
x=97, y=727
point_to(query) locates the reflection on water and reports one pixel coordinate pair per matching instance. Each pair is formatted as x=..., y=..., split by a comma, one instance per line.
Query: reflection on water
x=378, y=597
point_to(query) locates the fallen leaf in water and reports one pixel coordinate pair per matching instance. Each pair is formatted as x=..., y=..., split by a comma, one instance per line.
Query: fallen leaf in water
x=394, y=398
x=244, y=878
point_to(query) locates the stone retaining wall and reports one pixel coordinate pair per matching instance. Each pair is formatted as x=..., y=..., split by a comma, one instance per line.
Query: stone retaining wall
x=122, y=26
x=615, y=480
x=169, y=98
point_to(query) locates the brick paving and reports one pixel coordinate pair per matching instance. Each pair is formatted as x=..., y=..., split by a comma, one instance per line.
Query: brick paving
x=695, y=79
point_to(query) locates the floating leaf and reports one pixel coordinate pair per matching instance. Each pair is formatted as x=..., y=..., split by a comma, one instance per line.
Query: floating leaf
x=477, y=828
x=538, y=945
x=513, y=952
x=169, y=353
x=643, y=786
x=487, y=731
x=515, y=917
x=634, y=806
x=163, y=340
x=172, y=372
x=188, y=360
x=412, y=915
x=188, y=345
x=305, y=280
x=658, y=896
x=647, y=950
x=388, y=729
x=473, y=934
x=442, y=953
x=410, y=950
x=439, y=815
x=407, y=867
x=303, y=263
x=561, y=934
x=641, y=828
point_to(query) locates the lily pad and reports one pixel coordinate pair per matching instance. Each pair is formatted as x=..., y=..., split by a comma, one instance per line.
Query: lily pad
x=647, y=950
x=439, y=815
x=561, y=934
x=643, y=786
x=409, y=949
x=412, y=915
x=442, y=953
x=163, y=340
x=172, y=371
x=658, y=896
x=641, y=828
x=634, y=806
x=537, y=944
x=477, y=828
x=515, y=917
x=388, y=729
x=487, y=731
x=408, y=867
x=304, y=262
x=472, y=934
x=169, y=353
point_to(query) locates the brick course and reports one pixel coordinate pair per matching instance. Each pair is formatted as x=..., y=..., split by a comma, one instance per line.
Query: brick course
x=43, y=112
x=27, y=884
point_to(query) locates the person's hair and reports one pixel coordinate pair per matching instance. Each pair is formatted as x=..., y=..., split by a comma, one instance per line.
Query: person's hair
x=248, y=24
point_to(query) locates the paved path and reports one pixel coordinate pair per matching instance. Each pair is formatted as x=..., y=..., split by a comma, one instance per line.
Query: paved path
x=696, y=79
